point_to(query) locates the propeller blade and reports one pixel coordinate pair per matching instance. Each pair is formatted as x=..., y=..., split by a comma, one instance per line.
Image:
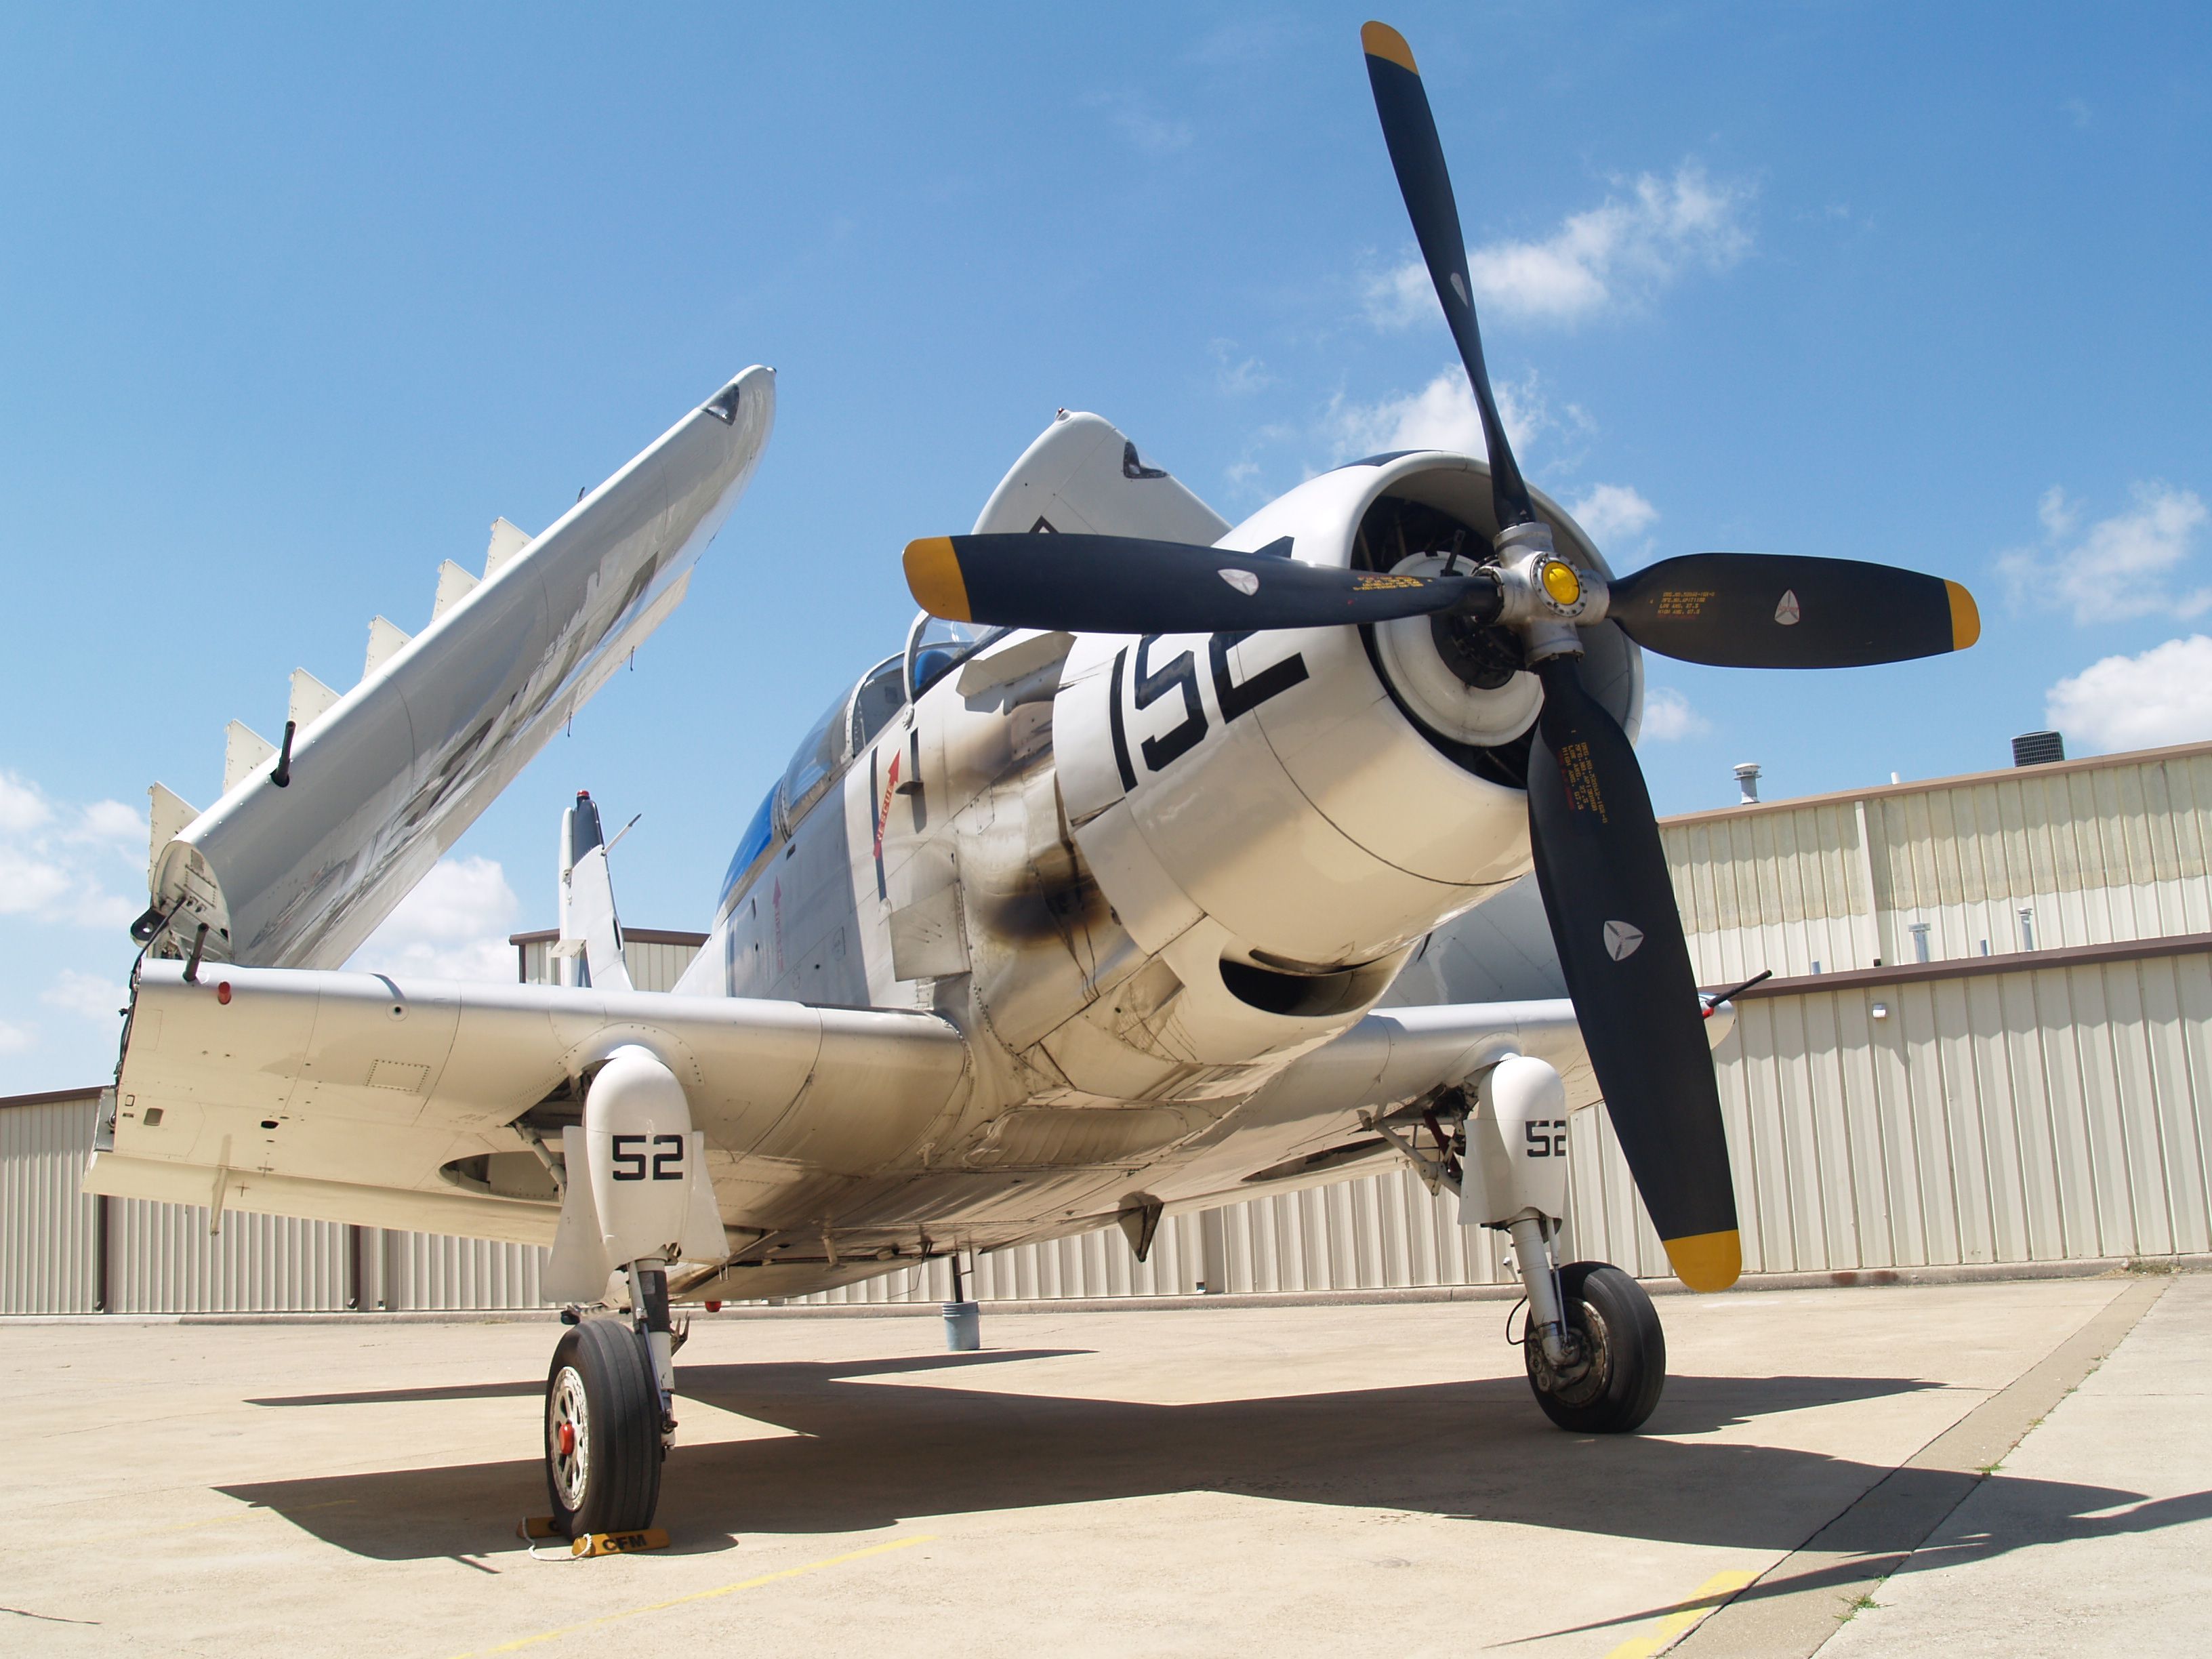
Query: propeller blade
x=1418, y=157
x=1126, y=585
x=1773, y=610
x=1603, y=876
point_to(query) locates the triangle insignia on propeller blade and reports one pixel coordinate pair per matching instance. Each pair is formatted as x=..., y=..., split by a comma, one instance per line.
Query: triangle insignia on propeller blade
x=1621, y=940
x=1243, y=580
x=1786, y=613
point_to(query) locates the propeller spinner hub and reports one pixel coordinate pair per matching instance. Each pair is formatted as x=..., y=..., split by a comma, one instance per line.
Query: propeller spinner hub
x=1561, y=586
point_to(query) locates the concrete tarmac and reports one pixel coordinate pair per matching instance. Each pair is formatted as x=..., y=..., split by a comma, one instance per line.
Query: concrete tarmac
x=1292, y=1481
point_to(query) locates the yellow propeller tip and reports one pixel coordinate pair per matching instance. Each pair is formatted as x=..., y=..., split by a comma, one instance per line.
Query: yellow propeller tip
x=1706, y=1261
x=1381, y=40
x=932, y=576
x=1965, y=617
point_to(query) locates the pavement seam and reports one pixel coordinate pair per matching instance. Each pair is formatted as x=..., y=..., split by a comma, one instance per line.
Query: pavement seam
x=1798, y=1604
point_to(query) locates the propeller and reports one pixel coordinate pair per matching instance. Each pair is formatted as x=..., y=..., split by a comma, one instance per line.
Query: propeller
x=1599, y=861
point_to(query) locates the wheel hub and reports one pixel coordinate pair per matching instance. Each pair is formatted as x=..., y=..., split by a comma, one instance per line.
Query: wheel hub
x=1584, y=1381
x=568, y=1437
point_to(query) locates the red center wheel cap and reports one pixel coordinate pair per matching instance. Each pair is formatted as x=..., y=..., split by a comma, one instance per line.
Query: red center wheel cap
x=567, y=1440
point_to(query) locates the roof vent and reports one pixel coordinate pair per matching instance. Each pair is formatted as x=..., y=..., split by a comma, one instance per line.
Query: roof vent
x=2038, y=749
x=1746, y=779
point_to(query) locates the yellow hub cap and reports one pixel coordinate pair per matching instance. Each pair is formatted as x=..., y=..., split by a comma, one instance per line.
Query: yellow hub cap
x=1560, y=583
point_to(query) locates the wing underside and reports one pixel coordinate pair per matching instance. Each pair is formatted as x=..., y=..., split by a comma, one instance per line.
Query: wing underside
x=438, y=1106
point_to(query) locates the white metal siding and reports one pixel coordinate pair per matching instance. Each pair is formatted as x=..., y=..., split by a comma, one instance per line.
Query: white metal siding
x=2096, y=851
x=46, y=1245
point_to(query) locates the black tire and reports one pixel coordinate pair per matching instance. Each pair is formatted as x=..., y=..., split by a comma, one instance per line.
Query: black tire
x=607, y=1479
x=1627, y=1369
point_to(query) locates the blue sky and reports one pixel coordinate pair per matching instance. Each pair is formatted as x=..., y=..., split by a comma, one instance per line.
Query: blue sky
x=294, y=302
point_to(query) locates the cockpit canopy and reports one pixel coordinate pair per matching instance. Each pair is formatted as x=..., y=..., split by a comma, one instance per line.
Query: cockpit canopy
x=934, y=648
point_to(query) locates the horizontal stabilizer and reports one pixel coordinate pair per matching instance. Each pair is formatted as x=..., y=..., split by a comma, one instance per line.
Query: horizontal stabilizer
x=389, y=775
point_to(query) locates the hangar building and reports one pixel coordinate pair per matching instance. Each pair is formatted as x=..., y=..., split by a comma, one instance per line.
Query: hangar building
x=1986, y=1042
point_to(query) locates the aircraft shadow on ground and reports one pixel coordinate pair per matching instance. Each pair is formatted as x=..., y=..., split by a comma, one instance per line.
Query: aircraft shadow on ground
x=865, y=1456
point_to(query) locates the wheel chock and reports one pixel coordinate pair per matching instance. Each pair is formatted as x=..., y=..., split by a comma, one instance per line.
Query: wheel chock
x=619, y=1543
x=537, y=1527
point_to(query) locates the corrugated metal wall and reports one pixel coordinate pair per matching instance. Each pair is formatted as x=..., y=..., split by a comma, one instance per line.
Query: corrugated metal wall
x=655, y=960
x=2011, y=1111
x=2094, y=851
x=46, y=1243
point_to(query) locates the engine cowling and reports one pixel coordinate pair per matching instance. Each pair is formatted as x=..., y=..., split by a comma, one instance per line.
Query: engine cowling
x=1326, y=796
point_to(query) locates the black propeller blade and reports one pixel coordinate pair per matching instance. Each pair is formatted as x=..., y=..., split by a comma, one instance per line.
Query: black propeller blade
x=1772, y=610
x=1126, y=585
x=1603, y=875
x=1598, y=858
x=1418, y=155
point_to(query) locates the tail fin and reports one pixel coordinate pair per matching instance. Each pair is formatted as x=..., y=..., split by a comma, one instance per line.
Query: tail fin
x=591, y=932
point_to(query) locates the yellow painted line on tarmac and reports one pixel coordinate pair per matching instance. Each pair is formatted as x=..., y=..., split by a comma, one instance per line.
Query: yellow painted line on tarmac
x=1708, y=1597
x=703, y=1596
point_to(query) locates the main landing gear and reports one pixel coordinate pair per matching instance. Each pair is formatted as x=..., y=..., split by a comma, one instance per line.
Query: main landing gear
x=1612, y=1360
x=1596, y=1357
x=608, y=1418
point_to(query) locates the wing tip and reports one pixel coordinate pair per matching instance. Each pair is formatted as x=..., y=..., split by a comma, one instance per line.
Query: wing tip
x=1706, y=1261
x=932, y=576
x=1381, y=40
x=1965, y=616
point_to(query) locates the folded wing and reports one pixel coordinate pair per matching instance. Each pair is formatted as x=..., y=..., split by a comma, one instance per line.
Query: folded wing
x=298, y=873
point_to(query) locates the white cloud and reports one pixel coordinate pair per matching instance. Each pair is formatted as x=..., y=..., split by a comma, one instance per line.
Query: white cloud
x=2119, y=567
x=111, y=820
x=23, y=807
x=1612, y=256
x=1238, y=376
x=1442, y=415
x=1612, y=513
x=454, y=926
x=85, y=994
x=1141, y=124
x=1669, y=718
x=2164, y=696
x=56, y=862
x=17, y=1039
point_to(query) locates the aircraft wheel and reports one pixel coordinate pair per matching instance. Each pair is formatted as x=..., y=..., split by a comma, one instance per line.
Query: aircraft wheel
x=1618, y=1385
x=602, y=1430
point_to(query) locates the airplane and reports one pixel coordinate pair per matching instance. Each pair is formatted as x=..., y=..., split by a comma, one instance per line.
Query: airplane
x=1095, y=901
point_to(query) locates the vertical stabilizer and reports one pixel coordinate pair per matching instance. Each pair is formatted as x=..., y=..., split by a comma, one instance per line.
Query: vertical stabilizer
x=591, y=933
